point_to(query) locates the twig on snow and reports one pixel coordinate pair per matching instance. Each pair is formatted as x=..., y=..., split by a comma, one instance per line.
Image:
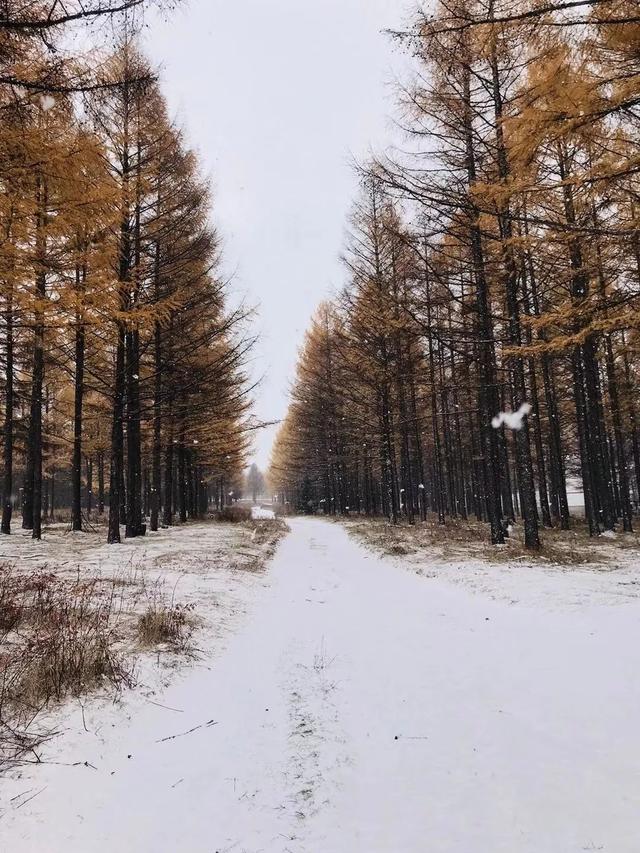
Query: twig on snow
x=166, y=707
x=32, y=797
x=184, y=734
x=84, y=722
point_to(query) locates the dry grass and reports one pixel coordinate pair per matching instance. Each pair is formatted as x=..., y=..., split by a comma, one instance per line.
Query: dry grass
x=464, y=539
x=564, y=548
x=67, y=629
x=265, y=531
x=233, y=514
x=58, y=638
x=262, y=538
x=162, y=623
x=65, y=636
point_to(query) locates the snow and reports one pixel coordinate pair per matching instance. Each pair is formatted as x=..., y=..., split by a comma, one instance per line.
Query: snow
x=361, y=706
x=512, y=420
x=47, y=102
x=262, y=513
x=200, y=563
x=605, y=573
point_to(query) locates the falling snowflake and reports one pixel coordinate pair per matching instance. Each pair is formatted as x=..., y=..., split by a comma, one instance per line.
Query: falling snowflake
x=512, y=420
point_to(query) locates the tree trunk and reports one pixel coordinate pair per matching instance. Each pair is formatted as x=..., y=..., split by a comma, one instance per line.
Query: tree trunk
x=101, y=483
x=76, y=461
x=117, y=442
x=488, y=396
x=134, y=526
x=7, y=484
x=182, y=478
x=167, y=510
x=586, y=381
x=34, y=438
x=156, y=462
x=524, y=462
x=89, y=477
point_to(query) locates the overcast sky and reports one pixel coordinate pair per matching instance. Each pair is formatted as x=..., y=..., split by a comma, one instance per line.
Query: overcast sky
x=278, y=97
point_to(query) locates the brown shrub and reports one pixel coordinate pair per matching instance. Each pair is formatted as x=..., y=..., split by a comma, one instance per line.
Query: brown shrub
x=162, y=623
x=59, y=638
x=234, y=514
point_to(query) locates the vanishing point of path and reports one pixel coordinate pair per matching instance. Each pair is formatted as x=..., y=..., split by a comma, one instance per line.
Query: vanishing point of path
x=363, y=709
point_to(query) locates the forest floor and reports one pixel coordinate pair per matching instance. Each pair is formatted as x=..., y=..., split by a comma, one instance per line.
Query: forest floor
x=77, y=615
x=355, y=702
x=570, y=569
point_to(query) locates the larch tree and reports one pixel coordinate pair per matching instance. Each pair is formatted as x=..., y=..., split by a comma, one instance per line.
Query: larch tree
x=486, y=340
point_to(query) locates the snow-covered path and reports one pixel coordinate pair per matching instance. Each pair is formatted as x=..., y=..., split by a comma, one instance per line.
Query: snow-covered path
x=363, y=709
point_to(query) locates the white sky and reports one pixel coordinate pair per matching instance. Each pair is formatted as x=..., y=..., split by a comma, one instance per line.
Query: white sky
x=278, y=97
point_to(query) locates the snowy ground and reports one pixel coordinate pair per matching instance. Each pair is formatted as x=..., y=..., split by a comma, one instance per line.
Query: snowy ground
x=571, y=571
x=262, y=513
x=361, y=707
x=205, y=573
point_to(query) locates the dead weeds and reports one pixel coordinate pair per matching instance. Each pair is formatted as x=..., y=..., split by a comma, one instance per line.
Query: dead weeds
x=62, y=635
x=467, y=539
x=67, y=633
x=170, y=624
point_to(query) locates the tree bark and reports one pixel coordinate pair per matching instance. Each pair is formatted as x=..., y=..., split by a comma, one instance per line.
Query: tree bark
x=524, y=462
x=33, y=489
x=76, y=461
x=117, y=442
x=488, y=396
x=7, y=483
